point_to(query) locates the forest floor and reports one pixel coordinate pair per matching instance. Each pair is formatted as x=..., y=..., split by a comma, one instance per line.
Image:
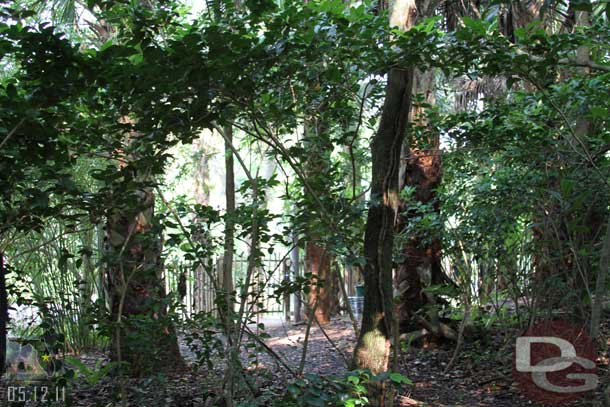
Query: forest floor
x=480, y=376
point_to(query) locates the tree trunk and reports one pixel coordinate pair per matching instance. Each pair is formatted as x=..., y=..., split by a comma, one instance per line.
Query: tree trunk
x=354, y=172
x=227, y=274
x=227, y=262
x=318, y=263
x=378, y=325
x=202, y=150
x=318, y=259
x=373, y=347
x=145, y=337
x=420, y=170
x=142, y=333
x=266, y=171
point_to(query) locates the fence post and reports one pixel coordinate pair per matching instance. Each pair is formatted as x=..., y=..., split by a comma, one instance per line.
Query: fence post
x=286, y=295
x=294, y=264
x=349, y=280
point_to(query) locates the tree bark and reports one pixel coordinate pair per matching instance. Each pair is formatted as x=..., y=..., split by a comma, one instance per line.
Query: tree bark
x=373, y=347
x=318, y=259
x=420, y=170
x=133, y=280
x=227, y=263
x=145, y=337
x=318, y=263
x=202, y=150
x=378, y=326
x=227, y=275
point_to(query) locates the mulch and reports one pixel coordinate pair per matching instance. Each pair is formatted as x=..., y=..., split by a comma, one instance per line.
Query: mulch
x=480, y=376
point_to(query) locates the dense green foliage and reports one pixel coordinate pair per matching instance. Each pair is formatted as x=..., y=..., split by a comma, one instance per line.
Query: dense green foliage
x=90, y=124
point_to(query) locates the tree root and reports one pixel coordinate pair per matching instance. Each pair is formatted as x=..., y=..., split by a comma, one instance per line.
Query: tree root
x=439, y=329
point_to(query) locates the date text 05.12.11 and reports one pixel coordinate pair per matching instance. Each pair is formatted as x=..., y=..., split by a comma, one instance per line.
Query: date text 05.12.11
x=35, y=393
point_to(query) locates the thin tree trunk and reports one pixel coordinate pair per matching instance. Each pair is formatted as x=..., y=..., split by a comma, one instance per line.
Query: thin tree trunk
x=202, y=150
x=355, y=175
x=227, y=272
x=268, y=170
x=600, y=284
x=227, y=275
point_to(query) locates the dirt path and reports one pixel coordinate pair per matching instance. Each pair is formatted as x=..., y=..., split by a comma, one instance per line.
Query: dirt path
x=324, y=356
x=481, y=376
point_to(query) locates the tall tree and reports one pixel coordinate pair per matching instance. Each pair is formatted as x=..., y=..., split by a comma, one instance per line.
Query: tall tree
x=133, y=252
x=374, y=343
x=420, y=174
x=373, y=347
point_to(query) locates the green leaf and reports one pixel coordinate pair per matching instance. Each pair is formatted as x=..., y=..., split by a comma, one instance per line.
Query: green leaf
x=294, y=389
x=599, y=112
x=398, y=378
x=475, y=25
x=83, y=370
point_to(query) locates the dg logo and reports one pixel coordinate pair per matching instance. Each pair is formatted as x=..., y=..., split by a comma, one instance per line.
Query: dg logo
x=554, y=363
